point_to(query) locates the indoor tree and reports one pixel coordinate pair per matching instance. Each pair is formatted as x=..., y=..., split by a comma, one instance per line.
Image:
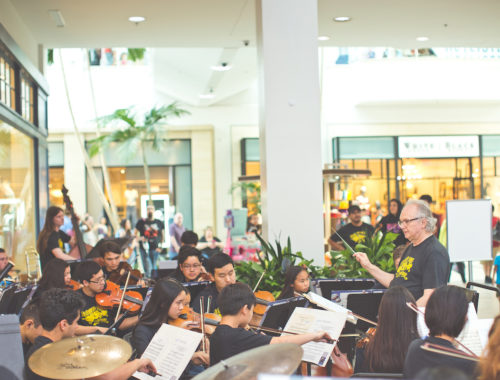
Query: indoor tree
x=134, y=136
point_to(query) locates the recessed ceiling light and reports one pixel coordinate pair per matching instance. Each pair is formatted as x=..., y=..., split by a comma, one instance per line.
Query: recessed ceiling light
x=137, y=19
x=222, y=67
x=323, y=38
x=57, y=17
x=210, y=95
x=342, y=19
x=422, y=39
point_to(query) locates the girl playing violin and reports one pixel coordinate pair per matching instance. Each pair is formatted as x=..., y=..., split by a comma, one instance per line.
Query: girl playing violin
x=56, y=274
x=296, y=280
x=386, y=349
x=166, y=303
x=189, y=266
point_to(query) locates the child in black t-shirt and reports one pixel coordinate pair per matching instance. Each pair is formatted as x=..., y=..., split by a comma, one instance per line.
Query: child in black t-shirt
x=230, y=338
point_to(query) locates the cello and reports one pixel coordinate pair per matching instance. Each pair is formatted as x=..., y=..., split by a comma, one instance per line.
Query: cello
x=79, y=251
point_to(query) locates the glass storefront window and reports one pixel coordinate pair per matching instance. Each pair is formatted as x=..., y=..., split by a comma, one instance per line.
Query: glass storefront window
x=491, y=169
x=7, y=84
x=27, y=101
x=17, y=206
x=56, y=182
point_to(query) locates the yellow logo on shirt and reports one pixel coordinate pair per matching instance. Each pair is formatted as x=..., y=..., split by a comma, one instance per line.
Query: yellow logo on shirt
x=95, y=316
x=358, y=236
x=405, y=267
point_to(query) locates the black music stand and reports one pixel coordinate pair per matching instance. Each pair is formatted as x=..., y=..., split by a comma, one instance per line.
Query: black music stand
x=7, y=300
x=278, y=312
x=195, y=287
x=326, y=285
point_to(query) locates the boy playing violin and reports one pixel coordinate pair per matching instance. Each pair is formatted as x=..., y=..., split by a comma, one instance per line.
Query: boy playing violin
x=93, y=315
x=236, y=303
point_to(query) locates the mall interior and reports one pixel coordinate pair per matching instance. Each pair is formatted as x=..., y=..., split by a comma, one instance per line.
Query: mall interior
x=401, y=100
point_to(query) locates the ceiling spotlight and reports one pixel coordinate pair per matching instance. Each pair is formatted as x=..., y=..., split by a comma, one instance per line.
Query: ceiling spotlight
x=222, y=67
x=137, y=19
x=57, y=17
x=422, y=39
x=342, y=19
x=323, y=38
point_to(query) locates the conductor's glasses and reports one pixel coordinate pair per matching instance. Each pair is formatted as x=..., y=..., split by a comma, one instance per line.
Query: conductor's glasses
x=406, y=221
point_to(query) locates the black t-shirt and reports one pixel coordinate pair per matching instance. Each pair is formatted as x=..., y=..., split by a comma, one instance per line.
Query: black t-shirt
x=93, y=315
x=209, y=291
x=209, y=252
x=425, y=266
x=40, y=341
x=227, y=341
x=354, y=235
x=418, y=359
x=389, y=223
x=56, y=240
x=141, y=337
x=151, y=230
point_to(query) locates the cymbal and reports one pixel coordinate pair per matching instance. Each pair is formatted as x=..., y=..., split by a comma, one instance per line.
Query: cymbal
x=80, y=357
x=272, y=358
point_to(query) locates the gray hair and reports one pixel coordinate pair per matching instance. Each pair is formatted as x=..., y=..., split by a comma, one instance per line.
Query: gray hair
x=424, y=212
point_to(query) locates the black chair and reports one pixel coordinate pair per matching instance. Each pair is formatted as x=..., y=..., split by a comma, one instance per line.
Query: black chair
x=367, y=375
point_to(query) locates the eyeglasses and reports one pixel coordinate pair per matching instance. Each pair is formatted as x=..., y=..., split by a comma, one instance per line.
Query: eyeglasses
x=402, y=223
x=194, y=266
x=101, y=280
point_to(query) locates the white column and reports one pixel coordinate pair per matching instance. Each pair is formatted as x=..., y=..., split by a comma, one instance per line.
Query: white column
x=290, y=132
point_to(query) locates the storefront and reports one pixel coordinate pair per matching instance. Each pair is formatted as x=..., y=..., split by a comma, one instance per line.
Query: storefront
x=445, y=167
x=23, y=151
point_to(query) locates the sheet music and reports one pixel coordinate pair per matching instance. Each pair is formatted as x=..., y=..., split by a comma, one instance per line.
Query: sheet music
x=305, y=320
x=331, y=306
x=170, y=350
x=469, y=336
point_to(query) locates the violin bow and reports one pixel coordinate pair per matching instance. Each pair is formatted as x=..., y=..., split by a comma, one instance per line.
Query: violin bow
x=418, y=311
x=443, y=350
x=202, y=323
x=123, y=297
x=258, y=282
x=348, y=311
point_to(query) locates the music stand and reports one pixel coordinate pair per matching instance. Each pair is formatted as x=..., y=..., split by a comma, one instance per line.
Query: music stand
x=6, y=300
x=195, y=287
x=278, y=312
x=326, y=285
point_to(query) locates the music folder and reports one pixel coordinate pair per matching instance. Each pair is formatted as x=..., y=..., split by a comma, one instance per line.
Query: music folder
x=278, y=312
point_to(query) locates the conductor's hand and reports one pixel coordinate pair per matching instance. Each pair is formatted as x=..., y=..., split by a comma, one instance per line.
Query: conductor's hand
x=322, y=336
x=362, y=258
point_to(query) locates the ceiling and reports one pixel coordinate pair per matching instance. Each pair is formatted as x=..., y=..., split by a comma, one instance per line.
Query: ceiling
x=217, y=30
x=226, y=23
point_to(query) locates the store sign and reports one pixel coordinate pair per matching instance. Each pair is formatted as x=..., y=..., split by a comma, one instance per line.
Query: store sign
x=438, y=146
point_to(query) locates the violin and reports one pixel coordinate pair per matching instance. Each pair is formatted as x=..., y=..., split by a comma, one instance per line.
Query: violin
x=112, y=295
x=211, y=320
x=370, y=333
x=119, y=275
x=74, y=285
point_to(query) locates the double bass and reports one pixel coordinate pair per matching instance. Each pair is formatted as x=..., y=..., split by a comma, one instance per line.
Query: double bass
x=79, y=251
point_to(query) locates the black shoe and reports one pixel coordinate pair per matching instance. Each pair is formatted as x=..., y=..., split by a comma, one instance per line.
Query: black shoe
x=488, y=280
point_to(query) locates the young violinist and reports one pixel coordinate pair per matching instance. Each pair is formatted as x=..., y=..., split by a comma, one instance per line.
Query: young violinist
x=56, y=274
x=445, y=316
x=221, y=269
x=93, y=316
x=166, y=303
x=189, y=266
x=296, y=280
x=51, y=240
x=384, y=351
x=236, y=303
x=59, y=310
x=114, y=267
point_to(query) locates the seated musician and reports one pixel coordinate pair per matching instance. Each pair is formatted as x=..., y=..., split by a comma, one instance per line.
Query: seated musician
x=113, y=265
x=59, y=311
x=56, y=274
x=189, y=267
x=221, y=270
x=166, y=304
x=445, y=316
x=189, y=238
x=236, y=303
x=51, y=239
x=385, y=350
x=29, y=325
x=93, y=317
x=296, y=281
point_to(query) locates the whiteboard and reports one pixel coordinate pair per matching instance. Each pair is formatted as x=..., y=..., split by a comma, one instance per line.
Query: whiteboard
x=469, y=229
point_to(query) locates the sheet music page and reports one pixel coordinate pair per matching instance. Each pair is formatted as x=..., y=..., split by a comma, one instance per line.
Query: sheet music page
x=483, y=327
x=469, y=336
x=330, y=306
x=170, y=350
x=304, y=320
